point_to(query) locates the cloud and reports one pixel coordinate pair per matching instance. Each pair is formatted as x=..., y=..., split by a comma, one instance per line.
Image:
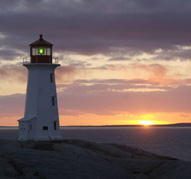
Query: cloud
x=117, y=31
x=157, y=72
x=12, y=74
x=177, y=53
x=110, y=97
x=119, y=59
x=12, y=105
x=18, y=74
x=99, y=100
x=134, y=82
x=9, y=54
x=69, y=73
x=91, y=27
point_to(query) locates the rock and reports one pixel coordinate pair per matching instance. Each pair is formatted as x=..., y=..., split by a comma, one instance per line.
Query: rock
x=7, y=169
x=6, y=145
x=77, y=159
x=170, y=169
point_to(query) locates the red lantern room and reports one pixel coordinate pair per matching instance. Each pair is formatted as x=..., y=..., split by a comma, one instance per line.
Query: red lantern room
x=41, y=51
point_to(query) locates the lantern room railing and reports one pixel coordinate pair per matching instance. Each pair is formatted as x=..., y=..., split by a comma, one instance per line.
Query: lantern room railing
x=27, y=60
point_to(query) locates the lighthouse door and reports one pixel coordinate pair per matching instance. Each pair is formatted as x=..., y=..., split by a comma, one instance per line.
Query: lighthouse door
x=45, y=130
x=23, y=130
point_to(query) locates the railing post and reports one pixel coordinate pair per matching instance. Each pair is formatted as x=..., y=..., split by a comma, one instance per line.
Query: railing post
x=25, y=61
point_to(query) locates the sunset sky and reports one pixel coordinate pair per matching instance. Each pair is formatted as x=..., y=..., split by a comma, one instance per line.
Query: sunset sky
x=122, y=61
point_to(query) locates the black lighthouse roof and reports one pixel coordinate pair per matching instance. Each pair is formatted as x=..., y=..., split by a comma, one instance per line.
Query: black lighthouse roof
x=41, y=42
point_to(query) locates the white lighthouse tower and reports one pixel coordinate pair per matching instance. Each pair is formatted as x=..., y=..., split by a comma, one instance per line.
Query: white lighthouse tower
x=41, y=120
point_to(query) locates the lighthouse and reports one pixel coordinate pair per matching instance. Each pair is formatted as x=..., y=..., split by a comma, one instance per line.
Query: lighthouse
x=41, y=119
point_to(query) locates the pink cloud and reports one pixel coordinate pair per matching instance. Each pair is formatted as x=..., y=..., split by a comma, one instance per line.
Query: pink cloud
x=108, y=100
x=158, y=74
x=12, y=105
x=99, y=100
x=107, y=97
x=68, y=73
x=13, y=73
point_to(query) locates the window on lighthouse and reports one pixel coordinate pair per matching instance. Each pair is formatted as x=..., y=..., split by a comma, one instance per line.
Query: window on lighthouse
x=53, y=100
x=54, y=125
x=45, y=128
x=51, y=77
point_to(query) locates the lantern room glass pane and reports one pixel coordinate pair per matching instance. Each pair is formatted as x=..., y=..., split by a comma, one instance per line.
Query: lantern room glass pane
x=36, y=51
x=33, y=51
x=48, y=51
x=41, y=51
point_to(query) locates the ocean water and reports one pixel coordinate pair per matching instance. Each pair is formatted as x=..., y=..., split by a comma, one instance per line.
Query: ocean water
x=169, y=141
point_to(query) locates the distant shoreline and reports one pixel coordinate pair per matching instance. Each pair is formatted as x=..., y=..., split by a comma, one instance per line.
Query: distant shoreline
x=162, y=125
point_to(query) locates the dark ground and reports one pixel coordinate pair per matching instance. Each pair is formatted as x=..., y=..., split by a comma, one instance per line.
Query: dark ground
x=76, y=159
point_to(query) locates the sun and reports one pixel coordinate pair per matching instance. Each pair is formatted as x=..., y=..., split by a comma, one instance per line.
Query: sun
x=146, y=123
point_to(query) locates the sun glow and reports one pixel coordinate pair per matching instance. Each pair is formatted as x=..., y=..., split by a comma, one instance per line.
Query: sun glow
x=146, y=123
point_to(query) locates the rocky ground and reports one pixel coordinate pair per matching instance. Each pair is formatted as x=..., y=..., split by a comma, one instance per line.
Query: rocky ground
x=76, y=159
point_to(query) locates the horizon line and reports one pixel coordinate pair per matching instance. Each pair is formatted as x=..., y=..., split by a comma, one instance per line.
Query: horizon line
x=122, y=125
